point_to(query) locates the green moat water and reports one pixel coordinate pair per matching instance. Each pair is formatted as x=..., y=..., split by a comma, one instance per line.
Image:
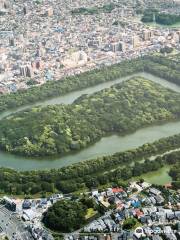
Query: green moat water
x=107, y=145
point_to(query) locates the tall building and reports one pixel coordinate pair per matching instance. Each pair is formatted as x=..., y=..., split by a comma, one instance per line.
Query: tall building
x=11, y=41
x=176, y=37
x=117, y=46
x=49, y=12
x=1, y=4
x=38, y=63
x=135, y=41
x=26, y=71
x=4, y=4
x=122, y=46
x=147, y=35
x=29, y=71
x=25, y=9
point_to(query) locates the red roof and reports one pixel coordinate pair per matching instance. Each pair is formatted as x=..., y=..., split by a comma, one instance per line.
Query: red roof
x=168, y=185
x=119, y=205
x=117, y=190
x=138, y=213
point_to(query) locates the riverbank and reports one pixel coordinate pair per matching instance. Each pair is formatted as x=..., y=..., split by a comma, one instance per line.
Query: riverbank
x=69, y=84
x=115, y=143
x=82, y=176
x=72, y=96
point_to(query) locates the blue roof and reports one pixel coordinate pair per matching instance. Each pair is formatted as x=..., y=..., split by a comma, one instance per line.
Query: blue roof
x=136, y=204
x=58, y=29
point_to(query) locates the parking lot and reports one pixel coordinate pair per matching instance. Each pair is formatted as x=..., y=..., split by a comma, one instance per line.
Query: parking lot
x=12, y=226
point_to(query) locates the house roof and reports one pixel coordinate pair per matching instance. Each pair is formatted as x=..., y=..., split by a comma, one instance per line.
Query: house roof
x=117, y=190
x=138, y=213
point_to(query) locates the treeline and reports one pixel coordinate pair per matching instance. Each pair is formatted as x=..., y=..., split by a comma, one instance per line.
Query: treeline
x=57, y=88
x=148, y=15
x=120, y=174
x=85, y=11
x=107, y=8
x=162, y=69
x=58, y=129
x=175, y=174
x=68, y=84
x=173, y=64
x=166, y=49
x=167, y=19
x=92, y=172
x=161, y=18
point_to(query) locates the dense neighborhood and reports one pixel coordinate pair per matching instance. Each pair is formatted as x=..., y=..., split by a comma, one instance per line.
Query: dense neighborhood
x=138, y=210
x=47, y=40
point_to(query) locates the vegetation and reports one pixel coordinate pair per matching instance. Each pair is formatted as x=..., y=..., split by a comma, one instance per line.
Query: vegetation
x=130, y=223
x=164, y=68
x=113, y=169
x=57, y=88
x=161, y=18
x=148, y=15
x=67, y=216
x=90, y=213
x=85, y=11
x=166, y=50
x=91, y=173
x=94, y=10
x=59, y=129
x=58, y=236
x=75, y=212
x=167, y=19
x=175, y=174
x=119, y=23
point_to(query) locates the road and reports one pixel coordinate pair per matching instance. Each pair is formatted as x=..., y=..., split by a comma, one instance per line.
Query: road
x=12, y=226
x=76, y=233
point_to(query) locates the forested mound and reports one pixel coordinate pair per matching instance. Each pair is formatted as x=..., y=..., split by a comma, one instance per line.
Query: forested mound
x=59, y=129
x=74, y=212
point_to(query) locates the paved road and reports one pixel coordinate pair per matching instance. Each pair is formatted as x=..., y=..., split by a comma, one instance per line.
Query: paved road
x=76, y=233
x=12, y=226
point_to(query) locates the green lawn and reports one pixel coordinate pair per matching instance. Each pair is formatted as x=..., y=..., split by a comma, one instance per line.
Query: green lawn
x=90, y=213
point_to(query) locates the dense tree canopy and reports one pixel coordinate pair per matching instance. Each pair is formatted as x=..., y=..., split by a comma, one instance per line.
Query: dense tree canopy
x=58, y=129
x=175, y=174
x=107, y=8
x=161, y=18
x=65, y=216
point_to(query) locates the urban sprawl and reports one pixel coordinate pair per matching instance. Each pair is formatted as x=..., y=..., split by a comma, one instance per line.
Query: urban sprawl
x=46, y=40
x=154, y=212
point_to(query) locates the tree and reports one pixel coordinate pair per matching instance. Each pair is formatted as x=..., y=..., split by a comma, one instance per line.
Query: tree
x=65, y=216
x=129, y=223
